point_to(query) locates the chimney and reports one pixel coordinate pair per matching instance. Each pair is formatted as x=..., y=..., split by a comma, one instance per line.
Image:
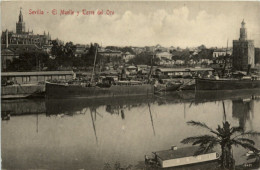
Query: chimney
x=174, y=148
x=6, y=38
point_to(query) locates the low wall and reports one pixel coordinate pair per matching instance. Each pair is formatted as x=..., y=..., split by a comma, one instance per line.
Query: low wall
x=21, y=89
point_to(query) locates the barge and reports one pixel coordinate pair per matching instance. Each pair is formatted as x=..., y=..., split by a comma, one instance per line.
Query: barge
x=121, y=88
x=178, y=157
x=226, y=84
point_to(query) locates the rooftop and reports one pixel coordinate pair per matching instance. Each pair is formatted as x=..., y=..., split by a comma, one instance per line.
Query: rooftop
x=37, y=73
x=183, y=69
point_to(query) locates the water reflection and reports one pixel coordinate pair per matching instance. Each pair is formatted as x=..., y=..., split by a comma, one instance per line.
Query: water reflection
x=117, y=106
x=242, y=110
x=87, y=134
x=94, y=111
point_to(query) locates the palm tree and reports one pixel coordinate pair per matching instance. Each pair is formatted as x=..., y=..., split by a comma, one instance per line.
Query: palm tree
x=225, y=136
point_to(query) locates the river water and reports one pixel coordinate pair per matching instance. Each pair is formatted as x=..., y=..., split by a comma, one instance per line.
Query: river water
x=93, y=134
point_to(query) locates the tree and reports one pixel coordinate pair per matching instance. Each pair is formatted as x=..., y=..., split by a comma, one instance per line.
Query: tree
x=144, y=58
x=206, y=54
x=225, y=136
x=57, y=49
x=90, y=56
x=201, y=47
x=181, y=55
x=64, y=55
x=122, y=49
x=29, y=61
x=69, y=50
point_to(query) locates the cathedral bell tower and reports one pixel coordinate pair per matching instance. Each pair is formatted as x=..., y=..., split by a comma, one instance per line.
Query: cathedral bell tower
x=20, y=25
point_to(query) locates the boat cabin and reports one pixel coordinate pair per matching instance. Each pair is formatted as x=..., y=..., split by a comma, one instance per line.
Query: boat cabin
x=129, y=83
x=182, y=156
x=182, y=72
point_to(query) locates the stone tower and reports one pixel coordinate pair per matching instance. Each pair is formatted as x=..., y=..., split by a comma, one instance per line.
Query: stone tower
x=20, y=25
x=243, y=34
x=243, y=51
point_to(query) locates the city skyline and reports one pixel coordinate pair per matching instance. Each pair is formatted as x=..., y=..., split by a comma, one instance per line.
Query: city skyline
x=183, y=24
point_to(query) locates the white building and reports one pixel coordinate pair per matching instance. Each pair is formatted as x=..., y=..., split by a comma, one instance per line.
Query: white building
x=127, y=56
x=164, y=55
x=221, y=52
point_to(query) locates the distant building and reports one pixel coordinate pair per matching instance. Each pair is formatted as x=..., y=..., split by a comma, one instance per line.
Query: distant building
x=171, y=49
x=149, y=48
x=7, y=57
x=161, y=55
x=81, y=50
x=47, y=48
x=179, y=62
x=23, y=37
x=159, y=48
x=205, y=61
x=243, y=51
x=142, y=67
x=110, y=56
x=221, y=52
x=13, y=44
x=166, y=62
x=35, y=77
x=165, y=58
x=257, y=55
x=127, y=56
x=138, y=50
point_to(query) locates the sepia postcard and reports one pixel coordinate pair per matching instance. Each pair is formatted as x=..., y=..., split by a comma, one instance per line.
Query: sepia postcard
x=126, y=85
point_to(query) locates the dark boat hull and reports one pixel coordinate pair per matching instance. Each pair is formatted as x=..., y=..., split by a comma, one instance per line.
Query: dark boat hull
x=60, y=91
x=227, y=84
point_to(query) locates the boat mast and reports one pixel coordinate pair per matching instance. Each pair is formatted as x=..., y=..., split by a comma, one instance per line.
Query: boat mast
x=93, y=72
x=225, y=62
x=151, y=68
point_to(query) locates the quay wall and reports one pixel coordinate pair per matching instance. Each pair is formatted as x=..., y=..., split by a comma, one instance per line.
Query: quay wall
x=21, y=89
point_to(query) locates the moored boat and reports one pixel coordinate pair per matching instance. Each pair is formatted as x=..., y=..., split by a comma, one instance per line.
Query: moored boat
x=176, y=157
x=126, y=88
x=166, y=86
x=251, y=153
x=188, y=85
x=226, y=84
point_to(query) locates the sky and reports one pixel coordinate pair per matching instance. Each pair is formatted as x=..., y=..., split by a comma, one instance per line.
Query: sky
x=182, y=24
